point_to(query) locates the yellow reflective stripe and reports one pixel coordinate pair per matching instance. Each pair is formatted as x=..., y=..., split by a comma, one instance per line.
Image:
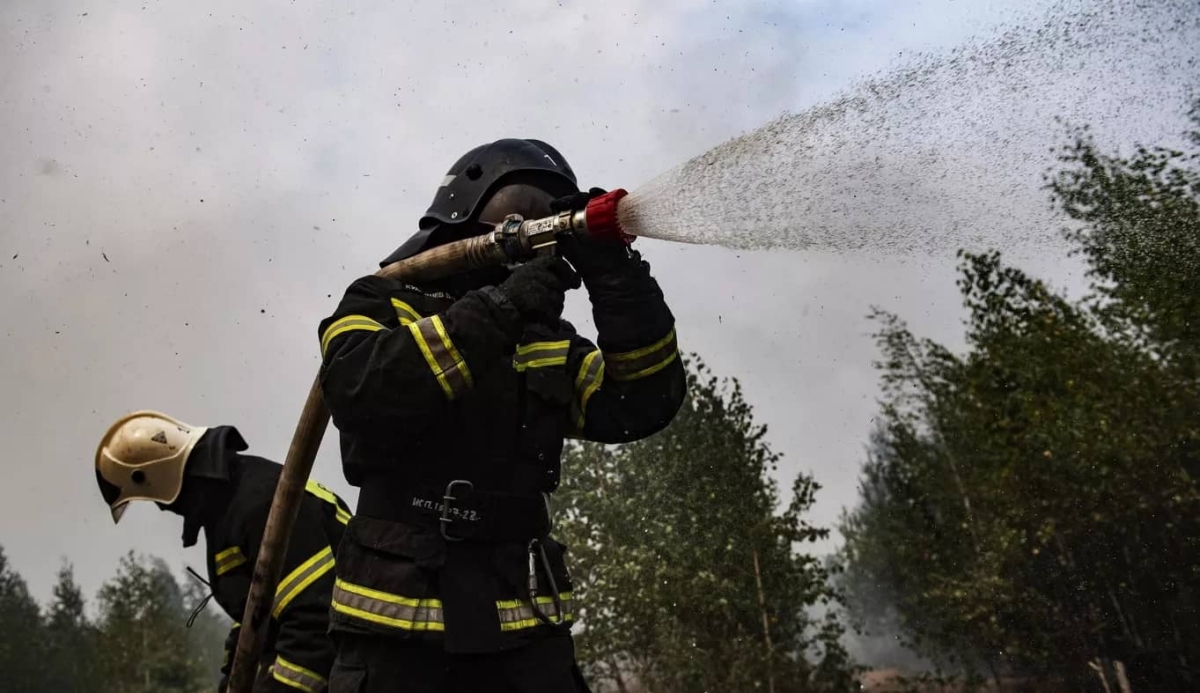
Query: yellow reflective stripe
x=638, y=353
x=405, y=312
x=296, y=676
x=541, y=355
x=458, y=359
x=229, y=559
x=320, y=492
x=591, y=376
x=330, y=497
x=644, y=362
x=387, y=609
x=541, y=363
x=429, y=359
x=518, y=614
x=593, y=383
x=228, y=552
x=542, y=346
x=651, y=370
x=441, y=355
x=299, y=579
x=347, y=324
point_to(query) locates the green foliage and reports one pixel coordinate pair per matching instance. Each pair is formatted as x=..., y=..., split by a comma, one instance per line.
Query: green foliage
x=72, y=641
x=138, y=644
x=670, y=537
x=142, y=617
x=20, y=633
x=1033, y=503
x=1139, y=236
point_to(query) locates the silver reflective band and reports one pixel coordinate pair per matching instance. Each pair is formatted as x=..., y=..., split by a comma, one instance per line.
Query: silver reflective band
x=386, y=609
x=296, y=676
x=518, y=614
x=448, y=180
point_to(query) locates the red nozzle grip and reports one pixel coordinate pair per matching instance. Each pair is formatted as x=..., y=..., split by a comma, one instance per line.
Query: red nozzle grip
x=602, y=220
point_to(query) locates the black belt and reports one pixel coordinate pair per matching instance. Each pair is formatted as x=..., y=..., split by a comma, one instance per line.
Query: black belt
x=460, y=511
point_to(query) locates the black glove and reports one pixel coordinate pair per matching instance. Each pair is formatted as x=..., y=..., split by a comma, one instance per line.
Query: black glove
x=589, y=256
x=577, y=200
x=538, y=288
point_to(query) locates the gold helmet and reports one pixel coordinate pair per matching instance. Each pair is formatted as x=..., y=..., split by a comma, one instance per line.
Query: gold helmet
x=142, y=457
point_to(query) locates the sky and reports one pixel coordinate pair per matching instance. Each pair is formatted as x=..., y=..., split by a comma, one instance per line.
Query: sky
x=185, y=192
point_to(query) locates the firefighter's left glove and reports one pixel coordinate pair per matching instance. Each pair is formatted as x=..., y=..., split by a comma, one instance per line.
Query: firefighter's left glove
x=538, y=288
x=589, y=256
x=575, y=201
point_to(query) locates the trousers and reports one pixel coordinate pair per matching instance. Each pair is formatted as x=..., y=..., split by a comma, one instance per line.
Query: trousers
x=367, y=664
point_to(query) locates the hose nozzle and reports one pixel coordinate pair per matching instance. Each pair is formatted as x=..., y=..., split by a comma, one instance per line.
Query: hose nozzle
x=598, y=219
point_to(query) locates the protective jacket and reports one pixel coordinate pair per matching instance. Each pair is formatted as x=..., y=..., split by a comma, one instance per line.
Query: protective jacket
x=452, y=414
x=298, y=653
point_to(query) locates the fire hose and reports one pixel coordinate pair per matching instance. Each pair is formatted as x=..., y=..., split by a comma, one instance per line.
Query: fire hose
x=513, y=241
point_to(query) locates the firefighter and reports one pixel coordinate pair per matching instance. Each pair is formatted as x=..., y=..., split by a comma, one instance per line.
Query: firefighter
x=200, y=474
x=452, y=399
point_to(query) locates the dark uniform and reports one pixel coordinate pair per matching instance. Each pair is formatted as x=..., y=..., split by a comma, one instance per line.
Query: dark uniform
x=298, y=652
x=452, y=412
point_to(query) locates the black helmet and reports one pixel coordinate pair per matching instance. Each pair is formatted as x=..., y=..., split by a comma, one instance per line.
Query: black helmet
x=474, y=177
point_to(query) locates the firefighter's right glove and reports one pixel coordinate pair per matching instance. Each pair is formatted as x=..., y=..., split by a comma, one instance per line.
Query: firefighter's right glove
x=538, y=288
x=591, y=257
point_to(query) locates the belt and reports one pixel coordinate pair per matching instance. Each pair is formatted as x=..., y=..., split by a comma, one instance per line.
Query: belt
x=459, y=510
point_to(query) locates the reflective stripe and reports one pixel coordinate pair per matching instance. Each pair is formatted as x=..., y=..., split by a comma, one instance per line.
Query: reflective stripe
x=441, y=355
x=518, y=614
x=541, y=355
x=296, y=581
x=347, y=324
x=405, y=312
x=229, y=559
x=643, y=362
x=591, y=375
x=387, y=609
x=297, y=676
x=330, y=497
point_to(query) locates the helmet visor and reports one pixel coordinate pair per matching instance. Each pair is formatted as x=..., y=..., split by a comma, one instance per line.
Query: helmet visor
x=111, y=493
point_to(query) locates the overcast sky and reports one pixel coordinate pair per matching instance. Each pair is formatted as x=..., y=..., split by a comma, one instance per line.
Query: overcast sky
x=185, y=191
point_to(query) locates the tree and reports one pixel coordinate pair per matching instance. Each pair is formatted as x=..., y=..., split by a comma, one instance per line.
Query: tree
x=21, y=666
x=1139, y=235
x=71, y=645
x=1032, y=504
x=143, y=641
x=207, y=629
x=143, y=623
x=688, y=579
